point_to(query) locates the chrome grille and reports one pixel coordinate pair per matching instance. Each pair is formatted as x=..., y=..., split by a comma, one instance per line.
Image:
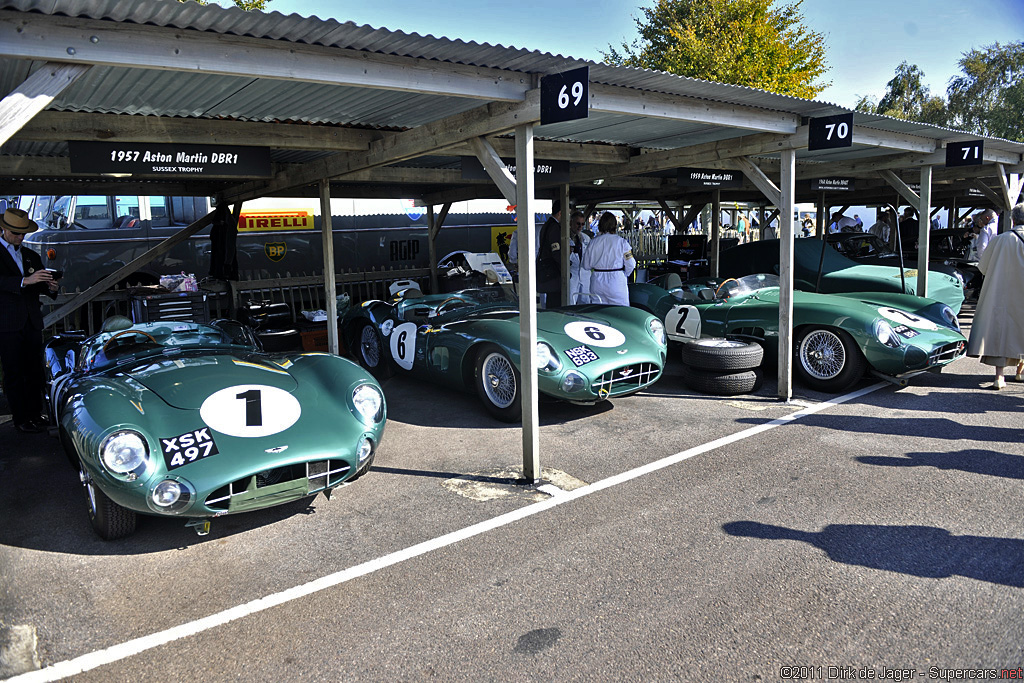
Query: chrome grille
x=627, y=379
x=319, y=474
x=946, y=353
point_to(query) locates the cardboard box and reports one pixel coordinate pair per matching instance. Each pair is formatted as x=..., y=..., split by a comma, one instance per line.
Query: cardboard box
x=314, y=340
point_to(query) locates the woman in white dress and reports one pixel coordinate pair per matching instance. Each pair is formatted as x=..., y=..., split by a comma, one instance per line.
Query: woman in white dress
x=609, y=258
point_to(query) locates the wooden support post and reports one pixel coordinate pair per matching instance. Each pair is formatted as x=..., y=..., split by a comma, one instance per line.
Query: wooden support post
x=330, y=284
x=924, y=225
x=525, y=218
x=787, y=188
x=716, y=230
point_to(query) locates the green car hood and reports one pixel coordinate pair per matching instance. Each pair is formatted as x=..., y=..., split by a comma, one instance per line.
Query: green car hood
x=185, y=382
x=554, y=322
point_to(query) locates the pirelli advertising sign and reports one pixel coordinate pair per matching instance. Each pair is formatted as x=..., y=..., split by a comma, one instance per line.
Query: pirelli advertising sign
x=274, y=221
x=140, y=158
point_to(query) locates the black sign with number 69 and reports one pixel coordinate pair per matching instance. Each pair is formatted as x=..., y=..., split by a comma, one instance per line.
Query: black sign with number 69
x=829, y=132
x=565, y=96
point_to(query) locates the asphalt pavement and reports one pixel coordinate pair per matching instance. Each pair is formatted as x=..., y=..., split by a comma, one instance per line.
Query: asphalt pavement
x=688, y=538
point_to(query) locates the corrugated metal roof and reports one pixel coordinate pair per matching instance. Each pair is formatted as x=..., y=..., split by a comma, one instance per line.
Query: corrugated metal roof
x=136, y=91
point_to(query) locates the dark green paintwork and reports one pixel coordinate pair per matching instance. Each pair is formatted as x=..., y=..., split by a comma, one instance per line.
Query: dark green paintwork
x=446, y=345
x=755, y=316
x=158, y=392
x=839, y=274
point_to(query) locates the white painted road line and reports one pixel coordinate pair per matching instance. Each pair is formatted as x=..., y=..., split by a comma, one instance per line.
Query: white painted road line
x=550, y=489
x=116, y=653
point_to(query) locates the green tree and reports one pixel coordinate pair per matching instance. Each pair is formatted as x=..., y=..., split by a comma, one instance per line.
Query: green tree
x=741, y=42
x=907, y=97
x=988, y=98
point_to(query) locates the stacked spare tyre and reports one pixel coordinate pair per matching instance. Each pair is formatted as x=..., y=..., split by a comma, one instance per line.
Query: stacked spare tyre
x=723, y=367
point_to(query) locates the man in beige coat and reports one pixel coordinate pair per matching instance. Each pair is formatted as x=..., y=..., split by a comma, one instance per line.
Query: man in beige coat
x=997, y=334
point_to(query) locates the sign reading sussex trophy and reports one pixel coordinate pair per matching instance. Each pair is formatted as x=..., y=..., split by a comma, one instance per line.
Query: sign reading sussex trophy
x=140, y=158
x=708, y=177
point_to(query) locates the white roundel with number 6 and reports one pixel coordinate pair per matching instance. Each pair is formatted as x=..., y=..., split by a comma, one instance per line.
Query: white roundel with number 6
x=250, y=410
x=595, y=334
x=403, y=345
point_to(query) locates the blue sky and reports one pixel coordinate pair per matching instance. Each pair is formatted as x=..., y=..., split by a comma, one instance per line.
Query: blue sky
x=865, y=39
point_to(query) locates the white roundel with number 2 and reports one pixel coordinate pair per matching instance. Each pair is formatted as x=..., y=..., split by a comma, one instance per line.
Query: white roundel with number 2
x=683, y=322
x=403, y=345
x=595, y=334
x=250, y=410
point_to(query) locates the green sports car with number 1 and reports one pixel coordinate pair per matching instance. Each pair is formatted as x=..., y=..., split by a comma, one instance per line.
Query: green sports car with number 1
x=194, y=421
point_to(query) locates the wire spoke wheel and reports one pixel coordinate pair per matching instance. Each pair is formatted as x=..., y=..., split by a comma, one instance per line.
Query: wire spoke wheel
x=823, y=354
x=497, y=383
x=499, y=380
x=369, y=346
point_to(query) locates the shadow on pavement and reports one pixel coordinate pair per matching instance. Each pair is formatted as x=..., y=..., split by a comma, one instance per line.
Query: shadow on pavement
x=976, y=461
x=924, y=551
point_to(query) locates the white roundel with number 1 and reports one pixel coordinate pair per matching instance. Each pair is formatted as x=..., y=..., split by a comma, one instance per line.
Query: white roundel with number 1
x=403, y=345
x=250, y=410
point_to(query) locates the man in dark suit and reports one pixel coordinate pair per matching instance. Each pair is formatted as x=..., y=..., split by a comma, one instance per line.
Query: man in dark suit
x=549, y=262
x=22, y=280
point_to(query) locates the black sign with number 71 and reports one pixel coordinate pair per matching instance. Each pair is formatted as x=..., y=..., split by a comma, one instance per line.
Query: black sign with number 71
x=565, y=96
x=966, y=153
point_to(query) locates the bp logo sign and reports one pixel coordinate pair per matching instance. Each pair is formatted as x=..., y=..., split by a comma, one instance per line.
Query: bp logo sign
x=275, y=251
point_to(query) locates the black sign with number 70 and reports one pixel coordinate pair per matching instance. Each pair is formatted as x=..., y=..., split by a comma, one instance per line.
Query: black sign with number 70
x=565, y=96
x=830, y=132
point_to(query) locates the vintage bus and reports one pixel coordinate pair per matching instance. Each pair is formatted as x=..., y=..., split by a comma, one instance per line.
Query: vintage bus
x=91, y=236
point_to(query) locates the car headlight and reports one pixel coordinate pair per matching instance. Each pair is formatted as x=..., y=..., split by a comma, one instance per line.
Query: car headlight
x=573, y=382
x=547, y=361
x=171, y=495
x=365, y=449
x=950, y=317
x=124, y=452
x=657, y=330
x=886, y=335
x=369, y=403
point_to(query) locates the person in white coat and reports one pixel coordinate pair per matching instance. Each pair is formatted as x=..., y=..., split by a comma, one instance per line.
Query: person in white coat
x=997, y=333
x=579, y=277
x=609, y=258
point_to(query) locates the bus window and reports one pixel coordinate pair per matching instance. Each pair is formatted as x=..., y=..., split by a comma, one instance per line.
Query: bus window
x=60, y=212
x=127, y=210
x=183, y=211
x=92, y=211
x=158, y=212
x=41, y=207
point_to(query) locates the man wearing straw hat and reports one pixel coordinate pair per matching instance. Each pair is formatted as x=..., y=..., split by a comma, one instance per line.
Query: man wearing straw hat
x=22, y=280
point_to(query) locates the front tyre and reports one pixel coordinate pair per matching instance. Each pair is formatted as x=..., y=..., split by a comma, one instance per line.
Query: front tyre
x=109, y=520
x=370, y=351
x=497, y=384
x=828, y=360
